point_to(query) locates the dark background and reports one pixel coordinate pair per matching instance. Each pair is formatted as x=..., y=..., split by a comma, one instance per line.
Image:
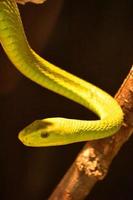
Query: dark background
x=92, y=39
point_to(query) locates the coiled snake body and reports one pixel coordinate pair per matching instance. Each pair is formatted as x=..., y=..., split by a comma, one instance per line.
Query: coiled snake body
x=56, y=131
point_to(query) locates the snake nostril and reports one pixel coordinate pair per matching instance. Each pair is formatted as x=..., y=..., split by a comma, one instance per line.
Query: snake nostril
x=44, y=135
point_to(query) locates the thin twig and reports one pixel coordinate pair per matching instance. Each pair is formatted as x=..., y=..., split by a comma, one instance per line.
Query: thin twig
x=92, y=163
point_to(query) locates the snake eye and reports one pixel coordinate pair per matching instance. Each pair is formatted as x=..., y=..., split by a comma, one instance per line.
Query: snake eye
x=44, y=135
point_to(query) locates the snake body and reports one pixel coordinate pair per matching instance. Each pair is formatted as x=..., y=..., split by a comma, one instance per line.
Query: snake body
x=56, y=131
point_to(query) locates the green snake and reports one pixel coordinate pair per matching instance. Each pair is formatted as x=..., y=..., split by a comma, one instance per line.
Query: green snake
x=56, y=131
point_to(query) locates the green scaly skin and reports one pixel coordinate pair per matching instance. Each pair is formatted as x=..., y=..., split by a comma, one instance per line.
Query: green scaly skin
x=56, y=131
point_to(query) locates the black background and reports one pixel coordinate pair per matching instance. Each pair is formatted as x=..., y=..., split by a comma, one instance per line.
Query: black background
x=92, y=39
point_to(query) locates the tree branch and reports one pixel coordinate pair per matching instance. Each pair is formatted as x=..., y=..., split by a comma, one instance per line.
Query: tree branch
x=92, y=163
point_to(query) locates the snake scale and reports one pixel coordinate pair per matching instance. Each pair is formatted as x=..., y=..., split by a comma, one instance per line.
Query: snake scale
x=56, y=131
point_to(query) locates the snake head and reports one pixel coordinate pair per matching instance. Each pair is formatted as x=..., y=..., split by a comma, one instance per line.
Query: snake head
x=44, y=132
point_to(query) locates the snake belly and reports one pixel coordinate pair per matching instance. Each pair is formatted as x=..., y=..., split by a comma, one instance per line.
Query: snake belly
x=56, y=131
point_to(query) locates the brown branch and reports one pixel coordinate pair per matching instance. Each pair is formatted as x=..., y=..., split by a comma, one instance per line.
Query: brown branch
x=92, y=163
